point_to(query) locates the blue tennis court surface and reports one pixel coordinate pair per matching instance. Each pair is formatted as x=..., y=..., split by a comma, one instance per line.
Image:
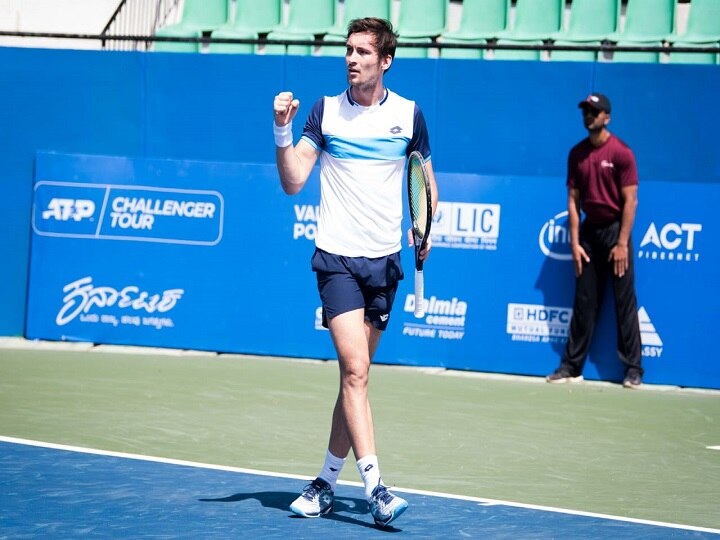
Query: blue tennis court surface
x=51, y=492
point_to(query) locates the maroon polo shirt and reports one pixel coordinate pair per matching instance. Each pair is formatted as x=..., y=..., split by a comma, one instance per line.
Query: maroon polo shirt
x=600, y=173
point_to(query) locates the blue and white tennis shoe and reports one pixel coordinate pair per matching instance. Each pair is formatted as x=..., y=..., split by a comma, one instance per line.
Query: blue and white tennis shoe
x=385, y=507
x=316, y=500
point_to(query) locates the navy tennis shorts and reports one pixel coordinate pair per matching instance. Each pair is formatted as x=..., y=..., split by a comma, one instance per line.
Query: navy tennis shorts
x=349, y=283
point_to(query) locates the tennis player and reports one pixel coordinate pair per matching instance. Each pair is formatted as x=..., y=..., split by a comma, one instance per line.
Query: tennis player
x=362, y=137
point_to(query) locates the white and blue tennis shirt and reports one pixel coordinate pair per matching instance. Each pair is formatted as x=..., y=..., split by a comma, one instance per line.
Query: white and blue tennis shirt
x=362, y=159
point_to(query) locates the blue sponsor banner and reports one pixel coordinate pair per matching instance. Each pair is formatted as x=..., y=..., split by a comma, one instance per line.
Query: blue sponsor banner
x=214, y=256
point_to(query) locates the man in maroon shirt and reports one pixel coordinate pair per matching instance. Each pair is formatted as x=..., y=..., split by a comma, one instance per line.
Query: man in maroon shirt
x=602, y=181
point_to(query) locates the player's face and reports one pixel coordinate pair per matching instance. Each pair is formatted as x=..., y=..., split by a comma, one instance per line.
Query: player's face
x=594, y=119
x=364, y=67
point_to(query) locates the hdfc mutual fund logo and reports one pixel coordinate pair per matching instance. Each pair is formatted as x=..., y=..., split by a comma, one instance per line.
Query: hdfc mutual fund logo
x=537, y=323
x=554, y=238
x=670, y=242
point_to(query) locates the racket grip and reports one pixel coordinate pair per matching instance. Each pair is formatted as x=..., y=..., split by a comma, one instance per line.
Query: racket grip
x=419, y=293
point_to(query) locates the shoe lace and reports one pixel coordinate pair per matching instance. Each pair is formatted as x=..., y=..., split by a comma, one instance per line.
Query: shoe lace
x=384, y=496
x=312, y=490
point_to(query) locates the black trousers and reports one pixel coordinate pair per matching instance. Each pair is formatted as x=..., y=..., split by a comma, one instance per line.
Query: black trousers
x=597, y=241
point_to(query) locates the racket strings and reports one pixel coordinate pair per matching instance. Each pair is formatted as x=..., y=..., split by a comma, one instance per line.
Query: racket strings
x=418, y=197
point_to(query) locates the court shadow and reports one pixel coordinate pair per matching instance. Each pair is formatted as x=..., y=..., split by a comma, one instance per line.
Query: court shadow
x=281, y=500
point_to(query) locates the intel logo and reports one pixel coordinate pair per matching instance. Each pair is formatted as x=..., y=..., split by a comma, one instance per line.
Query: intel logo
x=554, y=238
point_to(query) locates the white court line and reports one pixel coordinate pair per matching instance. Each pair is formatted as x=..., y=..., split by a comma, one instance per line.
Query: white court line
x=713, y=447
x=479, y=500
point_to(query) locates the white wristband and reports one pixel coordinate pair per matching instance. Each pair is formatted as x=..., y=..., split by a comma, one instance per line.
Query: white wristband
x=283, y=135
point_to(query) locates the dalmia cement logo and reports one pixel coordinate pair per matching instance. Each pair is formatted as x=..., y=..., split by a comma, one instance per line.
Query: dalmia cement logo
x=554, y=237
x=670, y=242
x=652, y=345
x=444, y=319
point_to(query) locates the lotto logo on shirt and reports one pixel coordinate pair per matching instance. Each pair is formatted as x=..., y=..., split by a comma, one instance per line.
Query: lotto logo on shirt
x=466, y=225
x=671, y=242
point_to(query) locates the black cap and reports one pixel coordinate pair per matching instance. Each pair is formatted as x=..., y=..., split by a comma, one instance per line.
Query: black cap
x=597, y=101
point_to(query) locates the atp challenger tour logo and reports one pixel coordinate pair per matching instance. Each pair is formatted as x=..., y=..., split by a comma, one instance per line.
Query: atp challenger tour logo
x=139, y=213
x=554, y=238
x=466, y=225
x=133, y=306
x=444, y=319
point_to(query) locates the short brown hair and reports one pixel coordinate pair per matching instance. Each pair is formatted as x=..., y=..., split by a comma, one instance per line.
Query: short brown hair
x=385, y=36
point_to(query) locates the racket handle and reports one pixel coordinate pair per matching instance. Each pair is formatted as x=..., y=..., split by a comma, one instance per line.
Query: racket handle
x=419, y=293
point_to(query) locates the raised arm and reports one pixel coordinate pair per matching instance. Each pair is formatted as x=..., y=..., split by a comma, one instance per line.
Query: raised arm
x=294, y=162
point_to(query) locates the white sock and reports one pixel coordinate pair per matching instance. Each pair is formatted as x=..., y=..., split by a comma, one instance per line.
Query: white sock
x=331, y=469
x=370, y=473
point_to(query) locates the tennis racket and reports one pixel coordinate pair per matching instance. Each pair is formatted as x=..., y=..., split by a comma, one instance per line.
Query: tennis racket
x=419, y=198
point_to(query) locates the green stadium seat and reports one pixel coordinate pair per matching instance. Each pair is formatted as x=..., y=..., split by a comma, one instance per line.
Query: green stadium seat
x=703, y=23
x=517, y=54
x=590, y=20
x=354, y=9
x=574, y=56
x=297, y=50
x=309, y=17
x=422, y=18
x=258, y=17
x=252, y=18
x=233, y=48
x=637, y=56
x=305, y=18
x=198, y=17
x=480, y=19
x=702, y=30
x=466, y=54
x=534, y=20
x=413, y=52
x=646, y=21
x=692, y=57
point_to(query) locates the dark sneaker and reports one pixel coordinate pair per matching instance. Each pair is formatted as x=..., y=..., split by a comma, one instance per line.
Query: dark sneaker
x=385, y=507
x=563, y=375
x=632, y=380
x=316, y=500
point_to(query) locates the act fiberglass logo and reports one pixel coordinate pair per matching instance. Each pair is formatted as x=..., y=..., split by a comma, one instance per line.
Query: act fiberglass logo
x=554, y=238
x=463, y=225
x=671, y=242
x=138, y=213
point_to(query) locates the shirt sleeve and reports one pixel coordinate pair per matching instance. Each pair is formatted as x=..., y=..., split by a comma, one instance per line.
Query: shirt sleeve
x=312, y=132
x=420, y=140
x=572, y=170
x=627, y=173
